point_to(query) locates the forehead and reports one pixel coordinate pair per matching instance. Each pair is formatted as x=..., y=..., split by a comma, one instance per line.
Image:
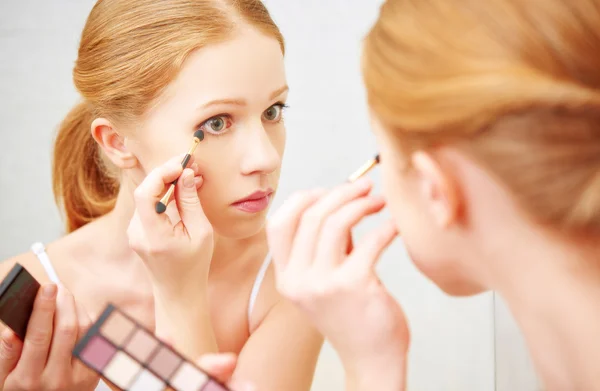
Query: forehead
x=249, y=65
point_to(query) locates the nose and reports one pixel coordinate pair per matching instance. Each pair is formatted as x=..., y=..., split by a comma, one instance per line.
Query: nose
x=260, y=155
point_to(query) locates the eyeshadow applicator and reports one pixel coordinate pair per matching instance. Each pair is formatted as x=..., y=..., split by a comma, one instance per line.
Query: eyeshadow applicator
x=365, y=168
x=161, y=206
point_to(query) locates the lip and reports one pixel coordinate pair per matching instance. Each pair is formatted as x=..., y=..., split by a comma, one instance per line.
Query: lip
x=255, y=202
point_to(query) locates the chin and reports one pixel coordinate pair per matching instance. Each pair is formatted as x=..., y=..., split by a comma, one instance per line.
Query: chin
x=447, y=276
x=459, y=288
x=241, y=226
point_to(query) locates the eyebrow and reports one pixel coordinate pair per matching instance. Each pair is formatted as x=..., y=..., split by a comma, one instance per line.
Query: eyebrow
x=241, y=102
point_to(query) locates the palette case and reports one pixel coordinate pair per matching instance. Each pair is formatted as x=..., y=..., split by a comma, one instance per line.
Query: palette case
x=18, y=291
x=132, y=358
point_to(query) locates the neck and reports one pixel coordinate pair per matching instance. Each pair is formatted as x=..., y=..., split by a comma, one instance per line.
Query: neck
x=553, y=290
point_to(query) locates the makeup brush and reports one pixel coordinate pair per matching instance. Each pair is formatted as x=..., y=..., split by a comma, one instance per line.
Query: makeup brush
x=161, y=206
x=365, y=168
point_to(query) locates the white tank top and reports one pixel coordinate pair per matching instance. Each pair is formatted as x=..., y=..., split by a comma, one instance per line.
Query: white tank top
x=40, y=251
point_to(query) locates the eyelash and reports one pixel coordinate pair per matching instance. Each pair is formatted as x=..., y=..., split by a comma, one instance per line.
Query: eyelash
x=282, y=106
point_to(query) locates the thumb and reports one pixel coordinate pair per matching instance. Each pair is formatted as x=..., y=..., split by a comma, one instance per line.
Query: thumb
x=188, y=203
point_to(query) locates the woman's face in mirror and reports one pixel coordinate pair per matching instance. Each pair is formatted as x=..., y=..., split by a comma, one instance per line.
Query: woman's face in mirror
x=235, y=91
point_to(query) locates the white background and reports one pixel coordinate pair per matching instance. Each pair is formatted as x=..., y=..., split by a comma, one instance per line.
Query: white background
x=454, y=345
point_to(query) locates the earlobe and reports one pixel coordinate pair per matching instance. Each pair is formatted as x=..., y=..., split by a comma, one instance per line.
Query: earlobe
x=438, y=188
x=113, y=144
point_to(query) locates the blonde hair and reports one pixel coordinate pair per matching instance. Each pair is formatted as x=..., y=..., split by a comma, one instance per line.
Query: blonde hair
x=130, y=51
x=513, y=83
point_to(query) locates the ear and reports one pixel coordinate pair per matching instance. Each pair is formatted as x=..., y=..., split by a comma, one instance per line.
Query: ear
x=113, y=144
x=438, y=188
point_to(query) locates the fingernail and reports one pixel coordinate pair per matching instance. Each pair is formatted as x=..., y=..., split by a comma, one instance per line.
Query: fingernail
x=195, y=168
x=188, y=179
x=49, y=290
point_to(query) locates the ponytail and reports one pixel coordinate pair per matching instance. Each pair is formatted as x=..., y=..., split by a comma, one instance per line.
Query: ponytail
x=82, y=186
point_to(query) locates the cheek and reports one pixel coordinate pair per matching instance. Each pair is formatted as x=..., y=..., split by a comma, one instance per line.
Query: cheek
x=410, y=217
x=278, y=136
x=217, y=171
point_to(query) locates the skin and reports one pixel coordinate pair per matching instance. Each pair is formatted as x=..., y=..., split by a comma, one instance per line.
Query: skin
x=175, y=272
x=443, y=197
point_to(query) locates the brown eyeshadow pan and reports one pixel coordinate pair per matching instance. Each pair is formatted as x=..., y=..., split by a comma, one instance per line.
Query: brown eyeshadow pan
x=165, y=362
x=117, y=328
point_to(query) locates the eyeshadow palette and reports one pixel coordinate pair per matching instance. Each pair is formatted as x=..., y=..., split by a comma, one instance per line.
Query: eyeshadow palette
x=133, y=359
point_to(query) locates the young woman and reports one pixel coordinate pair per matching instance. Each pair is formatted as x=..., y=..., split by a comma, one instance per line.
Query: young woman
x=151, y=73
x=487, y=117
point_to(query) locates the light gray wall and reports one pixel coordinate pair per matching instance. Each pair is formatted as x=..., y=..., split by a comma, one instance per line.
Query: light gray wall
x=453, y=339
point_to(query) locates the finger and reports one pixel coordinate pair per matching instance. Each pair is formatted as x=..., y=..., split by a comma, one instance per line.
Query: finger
x=368, y=251
x=281, y=228
x=193, y=219
x=311, y=223
x=39, y=333
x=333, y=242
x=350, y=245
x=219, y=366
x=85, y=322
x=152, y=188
x=140, y=237
x=10, y=351
x=198, y=180
x=66, y=326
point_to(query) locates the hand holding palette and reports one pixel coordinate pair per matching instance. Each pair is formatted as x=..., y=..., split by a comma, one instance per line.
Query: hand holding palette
x=132, y=358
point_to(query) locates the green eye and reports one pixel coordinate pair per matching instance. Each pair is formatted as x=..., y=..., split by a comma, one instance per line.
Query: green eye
x=273, y=113
x=216, y=125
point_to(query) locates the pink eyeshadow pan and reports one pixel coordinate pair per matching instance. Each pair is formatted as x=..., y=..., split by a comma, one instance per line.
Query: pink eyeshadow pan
x=164, y=363
x=141, y=345
x=98, y=353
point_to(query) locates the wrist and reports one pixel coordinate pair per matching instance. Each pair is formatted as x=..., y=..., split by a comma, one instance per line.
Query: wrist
x=185, y=291
x=180, y=299
x=186, y=321
x=366, y=375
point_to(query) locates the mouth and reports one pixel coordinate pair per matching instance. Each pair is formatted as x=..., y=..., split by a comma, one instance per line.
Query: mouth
x=255, y=202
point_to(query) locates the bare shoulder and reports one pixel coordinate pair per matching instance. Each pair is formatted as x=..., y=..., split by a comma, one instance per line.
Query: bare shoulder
x=30, y=262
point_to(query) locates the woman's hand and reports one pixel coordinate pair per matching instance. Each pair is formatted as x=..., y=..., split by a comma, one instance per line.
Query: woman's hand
x=336, y=284
x=44, y=361
x=177, y=254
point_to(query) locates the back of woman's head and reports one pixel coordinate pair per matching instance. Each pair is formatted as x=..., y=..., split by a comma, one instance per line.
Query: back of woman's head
x=513, y=83
x=130, y=51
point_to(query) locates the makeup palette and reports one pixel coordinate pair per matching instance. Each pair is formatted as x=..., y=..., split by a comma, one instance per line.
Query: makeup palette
x=133, y=359
x=18, y=291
